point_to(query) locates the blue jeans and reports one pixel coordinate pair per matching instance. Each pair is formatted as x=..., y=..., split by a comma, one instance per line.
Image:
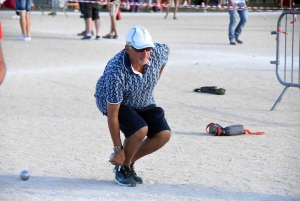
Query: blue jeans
x=23, y=5
x=234, y=32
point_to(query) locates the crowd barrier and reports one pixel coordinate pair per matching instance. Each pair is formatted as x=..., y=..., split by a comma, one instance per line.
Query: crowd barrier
x=204, y=7
x=287, y=51
x=55, y=5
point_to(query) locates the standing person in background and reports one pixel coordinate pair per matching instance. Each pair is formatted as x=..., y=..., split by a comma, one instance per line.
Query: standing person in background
x=168, y=8
x=235, y=31
x=113, y=8
x=24, y=8
x=81, y=7
x=2, y=66
x=134, y=7
x=125, y=94
x=91, y=12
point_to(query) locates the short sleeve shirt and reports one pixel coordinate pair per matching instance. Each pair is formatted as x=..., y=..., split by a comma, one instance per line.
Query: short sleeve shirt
x=119, y=84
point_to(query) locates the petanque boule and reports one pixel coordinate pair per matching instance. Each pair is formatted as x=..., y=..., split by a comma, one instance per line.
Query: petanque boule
x=24, y=175
x=111, y=156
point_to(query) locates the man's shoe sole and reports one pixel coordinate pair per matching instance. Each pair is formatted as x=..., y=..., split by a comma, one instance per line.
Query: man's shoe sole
x=128, y=185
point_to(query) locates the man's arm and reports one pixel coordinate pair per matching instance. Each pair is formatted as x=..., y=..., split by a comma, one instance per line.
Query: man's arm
x=2, y=66
x=162, y=68
x=114, y=129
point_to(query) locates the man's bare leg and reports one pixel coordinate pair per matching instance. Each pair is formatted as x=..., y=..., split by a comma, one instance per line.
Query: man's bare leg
x=150, y=145
x=132, y=144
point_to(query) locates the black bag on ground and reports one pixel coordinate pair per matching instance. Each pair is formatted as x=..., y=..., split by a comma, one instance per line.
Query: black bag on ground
x=218, y=130
x=211, y=90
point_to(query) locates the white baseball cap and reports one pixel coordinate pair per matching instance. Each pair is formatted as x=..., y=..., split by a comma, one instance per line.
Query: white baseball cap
x=139, y=38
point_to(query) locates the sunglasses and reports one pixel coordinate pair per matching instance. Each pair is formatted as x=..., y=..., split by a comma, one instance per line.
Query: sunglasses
x=148, y=49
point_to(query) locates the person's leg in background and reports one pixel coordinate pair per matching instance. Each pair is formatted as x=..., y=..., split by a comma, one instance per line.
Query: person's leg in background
x=175, y=9
x=81, y=8
x=168, y=2
x=232, y=22
x=243, y=20
x=96, y=19
x=113, y=33
x=88, y=21
x=137, y=6
x=24, y=8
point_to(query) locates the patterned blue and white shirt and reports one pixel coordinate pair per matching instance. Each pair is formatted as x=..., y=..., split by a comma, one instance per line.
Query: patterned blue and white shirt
x=120, y=84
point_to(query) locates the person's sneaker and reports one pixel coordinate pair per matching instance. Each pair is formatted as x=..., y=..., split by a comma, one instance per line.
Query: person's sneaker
x=86, y=37
x=123, y=177
x=23, y=38
x=15, y=17
x=238, y=40
x=81, y=34
x=136, y=178
x=28, y=38
x=232, y=42
x=97, y=37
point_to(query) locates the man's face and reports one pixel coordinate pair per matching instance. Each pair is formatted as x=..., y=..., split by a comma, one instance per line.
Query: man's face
x=139, y=56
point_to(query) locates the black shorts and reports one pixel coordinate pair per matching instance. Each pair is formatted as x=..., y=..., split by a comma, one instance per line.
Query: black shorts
x=91, y=10
x=132, y=120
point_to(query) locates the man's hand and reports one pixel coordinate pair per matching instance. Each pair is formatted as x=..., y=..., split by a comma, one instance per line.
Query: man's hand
x=118, y=158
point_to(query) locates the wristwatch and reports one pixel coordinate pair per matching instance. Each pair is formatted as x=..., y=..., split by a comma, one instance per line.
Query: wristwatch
x=117, y=149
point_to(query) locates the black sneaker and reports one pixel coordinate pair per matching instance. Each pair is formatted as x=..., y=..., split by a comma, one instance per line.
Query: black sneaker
x=97, y=37
x=86, y=37
x=238, y=40
x=82, y=33
x=136, y=178
x=123, y=177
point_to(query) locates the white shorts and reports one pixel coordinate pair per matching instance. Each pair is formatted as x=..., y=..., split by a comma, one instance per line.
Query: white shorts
x=114, y=7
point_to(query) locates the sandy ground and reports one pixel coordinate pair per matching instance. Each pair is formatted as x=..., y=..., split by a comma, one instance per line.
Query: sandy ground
x=50, y=126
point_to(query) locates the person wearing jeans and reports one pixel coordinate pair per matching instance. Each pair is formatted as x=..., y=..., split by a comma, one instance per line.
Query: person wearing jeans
x=24, y=8
x=239, y=8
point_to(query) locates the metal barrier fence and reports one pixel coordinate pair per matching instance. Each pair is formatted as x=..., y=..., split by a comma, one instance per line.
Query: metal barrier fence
x=55, y=5
x=288, y=74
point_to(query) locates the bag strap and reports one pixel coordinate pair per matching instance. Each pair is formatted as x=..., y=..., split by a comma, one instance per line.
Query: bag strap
x=218, y=132
x=208, y=126
x=253, y=133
